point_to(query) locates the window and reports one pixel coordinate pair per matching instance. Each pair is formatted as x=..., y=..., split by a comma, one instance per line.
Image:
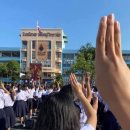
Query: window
x=128, y=57
x=24, y=66
x=33, y=44
x=71, y=56
x=58, y=44
x=33, y=55
x=47, y=75
x=24, y=44
x=64, y=55
x=16, y=54
x=24, y=54
x=47, y=63
x=49, y=55
x=6, y=54
x=58, y=54
x=49, y=44
x=58, y=65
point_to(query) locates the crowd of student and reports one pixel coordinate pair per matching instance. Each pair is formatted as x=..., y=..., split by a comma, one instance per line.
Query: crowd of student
x=20, y=101
x=23, y=101
x=76, y=106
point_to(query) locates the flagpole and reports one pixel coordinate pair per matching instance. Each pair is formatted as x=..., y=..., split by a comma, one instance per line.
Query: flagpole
x=37, y=37
x=31, y=52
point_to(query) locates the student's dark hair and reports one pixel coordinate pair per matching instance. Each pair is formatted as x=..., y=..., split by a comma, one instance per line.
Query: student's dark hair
x=95, y=88
x=58, y=112
x=67, y=90
x=30, y=86
x=9, y=88
x=19, y=88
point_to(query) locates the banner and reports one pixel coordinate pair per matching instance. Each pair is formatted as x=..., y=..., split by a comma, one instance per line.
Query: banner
x=42, y=50
x=36, y=71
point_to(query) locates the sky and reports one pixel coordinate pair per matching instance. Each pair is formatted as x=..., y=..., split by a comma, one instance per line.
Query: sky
x=78, y=18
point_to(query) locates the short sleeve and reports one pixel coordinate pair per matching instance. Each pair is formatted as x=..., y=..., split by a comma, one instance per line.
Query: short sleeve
x=87, y=127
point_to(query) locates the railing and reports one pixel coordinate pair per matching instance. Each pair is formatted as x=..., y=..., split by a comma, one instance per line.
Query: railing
x=58, y=49
x=58, y=59
x=24, y=58
x=9, y=58
x=24, y=48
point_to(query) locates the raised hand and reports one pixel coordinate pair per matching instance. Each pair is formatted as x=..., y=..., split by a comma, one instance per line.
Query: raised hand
x=95, y=102
x=112, y=73
x=83, y=87
x=88, y=78
x=89, y=110
x=77, y=87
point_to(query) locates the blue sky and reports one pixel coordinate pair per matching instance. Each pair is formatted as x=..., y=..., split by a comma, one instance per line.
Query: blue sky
x=78, y=18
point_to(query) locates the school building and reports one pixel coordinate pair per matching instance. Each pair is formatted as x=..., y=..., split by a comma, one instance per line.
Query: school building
x=47, y=48
x=43, y=47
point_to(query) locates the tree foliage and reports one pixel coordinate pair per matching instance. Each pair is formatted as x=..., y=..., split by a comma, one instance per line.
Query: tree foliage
x=85, y=60
x=3, y=69
x=59, y=80
x=10, y=69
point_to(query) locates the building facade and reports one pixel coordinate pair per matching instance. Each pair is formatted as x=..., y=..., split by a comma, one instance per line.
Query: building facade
x=8, y=54
x=126, y=55
x=43, y=47
x=68, y=59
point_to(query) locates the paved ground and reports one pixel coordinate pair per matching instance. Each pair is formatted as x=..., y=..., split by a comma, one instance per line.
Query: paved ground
x=18, y=126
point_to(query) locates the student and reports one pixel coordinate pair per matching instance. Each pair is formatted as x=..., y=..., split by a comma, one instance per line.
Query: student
x=30, y=91
x=2, y=112
x=114, y=85
x=20, y=107
x=56, y=87
x=59, y=112
x=35, y=100
x=90, y=111
x=40, y=92
x=9, y=98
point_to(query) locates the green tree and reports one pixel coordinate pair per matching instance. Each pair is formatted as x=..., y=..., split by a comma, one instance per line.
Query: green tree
x=13, y=70
x=59, y=80
x=85, y=60
x=3, y=69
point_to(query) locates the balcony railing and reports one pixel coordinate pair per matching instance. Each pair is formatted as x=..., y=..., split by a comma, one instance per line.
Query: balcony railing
x=57, y=70
x=24, y=49
x=58, y=60
x=24, y=59
x=58, y=49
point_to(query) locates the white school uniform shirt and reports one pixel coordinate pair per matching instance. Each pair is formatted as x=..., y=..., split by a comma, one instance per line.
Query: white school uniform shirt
x=88, y=127
x=31, y=92
x=26, y=95
x=7, y=100
x=43, y=92
x=49, y=91
x=40, y=92
x=106, y=108
x=1, y=98
x=22, y=95
x=99, y=96
x=35, y=94
x=83, y=116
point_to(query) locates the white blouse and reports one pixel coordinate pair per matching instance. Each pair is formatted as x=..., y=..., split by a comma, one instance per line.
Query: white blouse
x=1, y=99
x=22, y=95
x=31, y=92
x=88, y=127
x=8, y=101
